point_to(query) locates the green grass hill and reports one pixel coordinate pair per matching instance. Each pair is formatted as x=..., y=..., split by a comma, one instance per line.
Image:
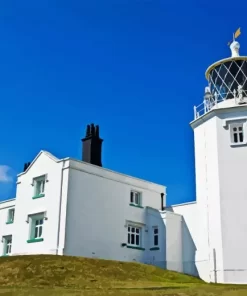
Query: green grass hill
x=70, y=276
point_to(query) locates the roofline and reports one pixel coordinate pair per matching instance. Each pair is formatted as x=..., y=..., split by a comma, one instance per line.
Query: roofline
x=182, y=204
x=7, y=200
x=51, y=156
x=88, y=164
x=105, y=169
x=210, y=68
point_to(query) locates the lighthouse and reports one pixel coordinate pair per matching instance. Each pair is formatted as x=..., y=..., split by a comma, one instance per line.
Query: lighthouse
x=220, y=141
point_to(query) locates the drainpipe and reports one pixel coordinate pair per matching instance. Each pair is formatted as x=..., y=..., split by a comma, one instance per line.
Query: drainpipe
x=60, y=206
x=162, y=201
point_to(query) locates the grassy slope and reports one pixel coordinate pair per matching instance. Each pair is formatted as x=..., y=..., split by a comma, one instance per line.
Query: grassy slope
x=48, y=270
x=71, y=275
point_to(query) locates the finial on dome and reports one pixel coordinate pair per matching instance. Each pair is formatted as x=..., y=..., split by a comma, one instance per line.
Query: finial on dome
x=235, y=49
x=234, y=45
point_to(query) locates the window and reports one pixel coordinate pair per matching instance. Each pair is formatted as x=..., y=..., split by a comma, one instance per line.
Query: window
x=156, y=236
x=134, y=236
x=237, y=133
x=155, y=239
x=39, y=187
x=36, y=228
x=135, y=198
x=7, y=245
x=11, y=216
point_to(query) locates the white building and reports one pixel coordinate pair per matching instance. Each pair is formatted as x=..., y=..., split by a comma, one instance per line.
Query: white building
x=72, y=207
x=215, y=226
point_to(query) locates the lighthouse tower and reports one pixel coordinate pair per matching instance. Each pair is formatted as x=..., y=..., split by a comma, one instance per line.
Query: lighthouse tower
x=220, y=138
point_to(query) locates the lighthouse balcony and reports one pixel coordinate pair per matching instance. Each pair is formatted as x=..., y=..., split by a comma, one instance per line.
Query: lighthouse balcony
x=215, y=103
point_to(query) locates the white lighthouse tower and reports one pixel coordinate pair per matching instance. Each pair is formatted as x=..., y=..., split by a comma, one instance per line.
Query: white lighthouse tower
x=220, y=135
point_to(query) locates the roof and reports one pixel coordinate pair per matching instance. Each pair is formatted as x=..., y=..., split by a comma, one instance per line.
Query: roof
x=182, y=204
x=54, y=158
x=111, y=171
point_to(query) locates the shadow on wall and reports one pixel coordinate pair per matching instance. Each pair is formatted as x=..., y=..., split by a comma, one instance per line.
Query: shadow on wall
x=188, y=250
x=159, y=258
x=155, y=254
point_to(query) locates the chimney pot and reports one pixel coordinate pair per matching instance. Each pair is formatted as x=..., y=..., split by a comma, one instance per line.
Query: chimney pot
x=88, y=131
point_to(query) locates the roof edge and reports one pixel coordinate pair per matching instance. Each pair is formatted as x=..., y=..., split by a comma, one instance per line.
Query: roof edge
x=51, y=156
x=111, y=171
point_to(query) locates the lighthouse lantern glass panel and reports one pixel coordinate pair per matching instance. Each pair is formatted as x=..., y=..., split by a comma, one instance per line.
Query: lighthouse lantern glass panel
x=227, y=77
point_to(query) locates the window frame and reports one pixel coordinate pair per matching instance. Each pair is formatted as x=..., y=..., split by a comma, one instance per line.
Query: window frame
x=155, y=234
x=136, y=234
x=33, y=226
x=238, y=133
x=9, y=219
x=37, y=192
x=6, y=245
x=133, y=195
x=229, y=124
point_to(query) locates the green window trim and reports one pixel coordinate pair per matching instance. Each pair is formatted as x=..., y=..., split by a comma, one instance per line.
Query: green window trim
x=154, y=249
x=11, y=216
x=136, y=206
x=35, y=240
x=38, y=196
x=136, y=248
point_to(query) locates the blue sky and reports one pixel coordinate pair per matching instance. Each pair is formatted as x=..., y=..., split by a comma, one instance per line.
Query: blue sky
x=136, y=68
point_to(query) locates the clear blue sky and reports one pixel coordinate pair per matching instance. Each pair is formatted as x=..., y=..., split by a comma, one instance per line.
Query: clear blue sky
x=136, y=68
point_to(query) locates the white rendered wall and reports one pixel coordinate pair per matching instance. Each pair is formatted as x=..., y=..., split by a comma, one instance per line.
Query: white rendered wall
x=208, y=199
x=98, y=211
x=233, y=191
x=25, y=206
x=221, y=193
x=5, y=229
x=173, y=241
x=156, y=257
x=194, y=241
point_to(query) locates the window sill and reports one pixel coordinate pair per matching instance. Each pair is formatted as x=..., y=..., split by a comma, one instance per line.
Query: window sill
x=238, y=144
x=154, y=249
x=136, y=248
x=38, y=196
x=9, y=222
x=35, y=240
x=136, y=206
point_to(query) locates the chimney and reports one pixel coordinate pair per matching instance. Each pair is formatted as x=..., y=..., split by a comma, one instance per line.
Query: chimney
x=92, y=145
x=26, y=165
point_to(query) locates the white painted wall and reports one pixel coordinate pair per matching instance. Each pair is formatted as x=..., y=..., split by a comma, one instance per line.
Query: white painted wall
x=220, y=191
x=156, y=257
x=25, y=205
x=194, y=240
x=208, y=195
x=98, y=211
x=173, y=241
x=5, y=229
x=87, y=209
x=233, y=202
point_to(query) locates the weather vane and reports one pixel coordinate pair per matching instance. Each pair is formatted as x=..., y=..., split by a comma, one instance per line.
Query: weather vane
x=235, y=36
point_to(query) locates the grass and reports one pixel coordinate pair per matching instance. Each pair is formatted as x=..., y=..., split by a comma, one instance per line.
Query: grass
x=70, y=276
